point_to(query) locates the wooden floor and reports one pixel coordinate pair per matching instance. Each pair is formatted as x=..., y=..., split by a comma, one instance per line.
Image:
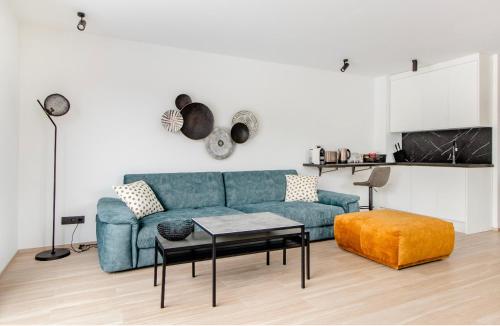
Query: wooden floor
x=344, y=289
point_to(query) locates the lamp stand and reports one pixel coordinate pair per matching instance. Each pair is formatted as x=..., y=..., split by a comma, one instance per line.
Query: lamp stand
x=54, y=253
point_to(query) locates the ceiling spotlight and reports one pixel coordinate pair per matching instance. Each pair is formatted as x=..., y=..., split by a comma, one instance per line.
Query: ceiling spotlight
x=82, y=23
x=345, y=66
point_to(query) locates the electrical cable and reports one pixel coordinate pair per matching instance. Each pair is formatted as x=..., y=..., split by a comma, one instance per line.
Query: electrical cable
x=83, y=246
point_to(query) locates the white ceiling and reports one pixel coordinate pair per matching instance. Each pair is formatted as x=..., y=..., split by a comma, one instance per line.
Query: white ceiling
x=378, y=36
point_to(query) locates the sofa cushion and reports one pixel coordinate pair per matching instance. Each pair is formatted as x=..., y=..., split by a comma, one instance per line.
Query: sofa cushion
x=145, y=238
x=184, y=190
x=301, y=188
x=310, y=214
x=251, y=187
x=139, y=198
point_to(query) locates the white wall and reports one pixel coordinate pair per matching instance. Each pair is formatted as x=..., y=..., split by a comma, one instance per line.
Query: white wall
x=118, y=91
x=495, y=122
x=8, y=133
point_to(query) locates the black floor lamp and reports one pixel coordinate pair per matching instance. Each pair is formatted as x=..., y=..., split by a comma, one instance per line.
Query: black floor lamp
x=54, y=105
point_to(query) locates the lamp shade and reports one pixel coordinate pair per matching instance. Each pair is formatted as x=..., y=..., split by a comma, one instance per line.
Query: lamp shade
x=56, y=105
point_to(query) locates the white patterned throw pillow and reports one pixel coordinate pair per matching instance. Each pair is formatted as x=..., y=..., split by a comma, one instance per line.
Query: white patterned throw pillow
x=301, y=188
x=139, y=198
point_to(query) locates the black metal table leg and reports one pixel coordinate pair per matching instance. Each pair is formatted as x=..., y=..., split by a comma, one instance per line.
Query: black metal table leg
x=214, y=270
x=193, y=267
x=267, y=253
x=156, y=261
x=164, y=267
x=284, y=252
x=302, y=253
x=308, y=257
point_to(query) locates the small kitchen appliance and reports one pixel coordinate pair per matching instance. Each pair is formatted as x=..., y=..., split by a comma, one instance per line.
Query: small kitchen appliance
x=331, y=156
x=344, y=155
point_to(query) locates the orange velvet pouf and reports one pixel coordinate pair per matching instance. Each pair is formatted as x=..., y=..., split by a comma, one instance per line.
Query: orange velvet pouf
x=395, y=238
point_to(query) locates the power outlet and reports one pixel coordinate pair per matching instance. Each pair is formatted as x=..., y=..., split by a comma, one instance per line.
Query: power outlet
x=72, y=220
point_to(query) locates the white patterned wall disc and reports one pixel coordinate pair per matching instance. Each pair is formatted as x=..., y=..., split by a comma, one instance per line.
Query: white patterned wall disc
x=219, y=144
x=172, y=120
x=247, y=118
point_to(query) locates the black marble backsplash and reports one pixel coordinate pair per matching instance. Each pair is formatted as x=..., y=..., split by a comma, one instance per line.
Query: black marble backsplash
x=474, y=145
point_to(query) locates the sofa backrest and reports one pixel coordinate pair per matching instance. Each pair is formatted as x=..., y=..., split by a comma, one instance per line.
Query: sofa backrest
x=184, y=190
x=251, y=187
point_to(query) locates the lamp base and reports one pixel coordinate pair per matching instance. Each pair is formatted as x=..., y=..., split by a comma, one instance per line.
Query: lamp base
x=58, y=253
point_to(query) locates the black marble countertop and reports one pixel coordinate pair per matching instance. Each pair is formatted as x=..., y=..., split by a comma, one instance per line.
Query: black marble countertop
x=451, y=165
x=432, y=164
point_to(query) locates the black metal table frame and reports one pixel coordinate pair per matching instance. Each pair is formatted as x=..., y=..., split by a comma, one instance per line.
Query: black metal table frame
x=304, y=246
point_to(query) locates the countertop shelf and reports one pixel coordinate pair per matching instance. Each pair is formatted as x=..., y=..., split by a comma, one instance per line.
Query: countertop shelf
x=357, y=167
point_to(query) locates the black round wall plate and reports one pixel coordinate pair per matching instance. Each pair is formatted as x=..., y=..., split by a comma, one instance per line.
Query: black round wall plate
x=240, y=133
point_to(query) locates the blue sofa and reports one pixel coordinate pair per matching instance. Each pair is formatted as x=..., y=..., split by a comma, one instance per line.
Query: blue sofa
x=125, y=242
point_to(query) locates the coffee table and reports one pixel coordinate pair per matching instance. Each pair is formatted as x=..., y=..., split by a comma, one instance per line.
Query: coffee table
x=233, y=235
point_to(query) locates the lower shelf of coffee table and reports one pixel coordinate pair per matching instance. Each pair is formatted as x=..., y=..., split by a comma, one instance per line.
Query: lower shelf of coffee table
x=205, y=252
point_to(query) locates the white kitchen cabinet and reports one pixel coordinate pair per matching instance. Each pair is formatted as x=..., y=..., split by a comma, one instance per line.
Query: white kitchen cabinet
x=434, y=102
x=449, y=95
x=406, y=96
x=396, y=193
x=462, y=196
x=463, y=94
x=439, y=192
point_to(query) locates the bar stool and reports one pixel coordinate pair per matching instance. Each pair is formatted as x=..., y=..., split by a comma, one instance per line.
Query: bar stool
x=378, y=178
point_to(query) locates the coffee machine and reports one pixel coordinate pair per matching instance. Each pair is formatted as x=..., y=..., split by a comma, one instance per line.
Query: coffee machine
x=317, y=155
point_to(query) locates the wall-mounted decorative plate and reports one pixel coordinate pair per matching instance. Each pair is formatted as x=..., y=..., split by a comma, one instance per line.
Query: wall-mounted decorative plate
x=247, y=118
x=172, y=120
x=240, y=133
x=219, y=144
x=198, y=121
x=182, y=100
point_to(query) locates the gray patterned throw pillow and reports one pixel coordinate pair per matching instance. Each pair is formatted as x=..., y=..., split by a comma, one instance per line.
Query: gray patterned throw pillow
x=301, y=188
x=139, y=198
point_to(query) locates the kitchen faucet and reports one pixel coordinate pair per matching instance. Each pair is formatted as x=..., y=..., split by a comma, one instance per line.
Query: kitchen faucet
x=454, y=149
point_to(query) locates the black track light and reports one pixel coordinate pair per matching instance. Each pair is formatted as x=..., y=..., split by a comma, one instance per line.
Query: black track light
x=82, y=23
x=345, y=66
x=414, y=65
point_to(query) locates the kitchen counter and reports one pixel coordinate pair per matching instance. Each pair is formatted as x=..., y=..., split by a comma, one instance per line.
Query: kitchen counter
x=449, y=165
x=356, y=167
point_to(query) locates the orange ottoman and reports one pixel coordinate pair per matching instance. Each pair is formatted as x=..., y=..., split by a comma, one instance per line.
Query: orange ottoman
x=394, y=238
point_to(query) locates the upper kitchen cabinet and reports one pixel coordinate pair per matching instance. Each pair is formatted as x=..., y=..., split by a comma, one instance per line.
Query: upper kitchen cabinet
x=449, y=95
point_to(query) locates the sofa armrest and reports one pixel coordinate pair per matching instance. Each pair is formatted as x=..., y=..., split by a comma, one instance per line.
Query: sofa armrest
x=348, y=202
x=114, y=211
x=116, y=232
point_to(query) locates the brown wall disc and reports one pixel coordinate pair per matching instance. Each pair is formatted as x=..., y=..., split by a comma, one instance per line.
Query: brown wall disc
x=198, y=121
x=182, y=100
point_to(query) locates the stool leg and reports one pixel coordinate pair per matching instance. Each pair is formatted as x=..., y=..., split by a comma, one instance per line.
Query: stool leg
x=370, y=198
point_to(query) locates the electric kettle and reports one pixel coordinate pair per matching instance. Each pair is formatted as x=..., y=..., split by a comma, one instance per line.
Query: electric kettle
x=344, y=155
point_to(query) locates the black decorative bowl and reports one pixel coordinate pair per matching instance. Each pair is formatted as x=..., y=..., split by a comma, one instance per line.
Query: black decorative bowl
x=175, y=230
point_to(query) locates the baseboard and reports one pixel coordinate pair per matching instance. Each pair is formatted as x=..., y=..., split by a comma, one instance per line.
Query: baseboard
x=38, y=249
